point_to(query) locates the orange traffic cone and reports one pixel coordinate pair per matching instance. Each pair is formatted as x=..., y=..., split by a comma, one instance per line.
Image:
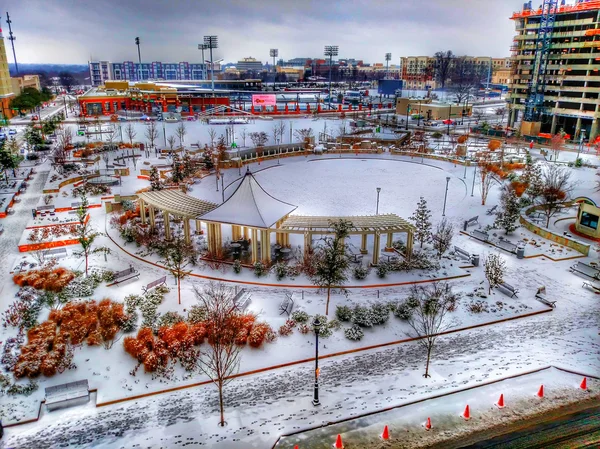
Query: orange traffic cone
x=386, y=433
x=500, y=403
x=296, y=447
x=428, y=425
x=540, y=392
x=338, y=442
x=583, y=385
x=466, y=414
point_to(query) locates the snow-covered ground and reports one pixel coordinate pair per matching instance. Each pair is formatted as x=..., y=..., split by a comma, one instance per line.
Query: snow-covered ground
x=262, y=406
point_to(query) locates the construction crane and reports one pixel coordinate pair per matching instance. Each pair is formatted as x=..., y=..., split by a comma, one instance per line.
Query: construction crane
x=535, y=96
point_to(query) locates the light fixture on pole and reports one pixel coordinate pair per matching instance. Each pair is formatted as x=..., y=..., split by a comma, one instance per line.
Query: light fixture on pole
x=274, y=53
x=388, y=58
x=331, y=51
x=203, y=47
x=474, y=173
x=377, y=207
x=446, y=196
x=316, y=326
x=137, y=42
x=211, y=42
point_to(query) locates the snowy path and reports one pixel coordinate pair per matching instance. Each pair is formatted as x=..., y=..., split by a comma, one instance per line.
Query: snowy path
x=279, y=402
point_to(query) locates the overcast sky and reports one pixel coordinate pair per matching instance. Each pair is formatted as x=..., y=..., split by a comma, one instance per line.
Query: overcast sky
x=73, y=31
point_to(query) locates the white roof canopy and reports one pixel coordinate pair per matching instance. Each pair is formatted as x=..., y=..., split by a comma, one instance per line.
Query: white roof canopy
x=250, y=205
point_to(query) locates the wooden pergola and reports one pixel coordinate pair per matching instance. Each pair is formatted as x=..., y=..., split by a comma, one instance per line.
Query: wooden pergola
x=363, y=225
x=176, y=203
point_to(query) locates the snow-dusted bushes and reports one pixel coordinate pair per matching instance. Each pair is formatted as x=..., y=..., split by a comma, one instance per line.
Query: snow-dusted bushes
x=259, y=269
x=404, y=310
x=360, y=272
x=287, y=328
x=300, y=316
x=197, y=314
x=343, y=313
x=237, y=266
x=380, y=313
x=280, y=270
x=354, y=333
x=382, y=270
x=23, y=312
x=169, y=319
x=362, y=316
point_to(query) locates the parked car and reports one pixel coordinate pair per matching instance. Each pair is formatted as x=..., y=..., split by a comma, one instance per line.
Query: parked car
x=34, y=117
x=12, y=132
x=448, y=122
x=2, y=136
x=430, y=123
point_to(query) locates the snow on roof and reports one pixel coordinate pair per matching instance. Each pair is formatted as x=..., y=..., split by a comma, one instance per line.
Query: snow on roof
x=250, y=205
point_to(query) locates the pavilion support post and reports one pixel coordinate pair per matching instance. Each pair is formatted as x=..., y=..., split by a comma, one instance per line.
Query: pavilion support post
x=307, y=242
x=198, y=226
x=246, y=233
x=265, y=245
x=409, y=244
x=236, y=232
x=376, y=246
x=218, y=240
x=167, y=225
x=286, y=239
x=142, y=211
x=152, y=218
x=389, y=244
x=255, y=255
x=210, y=236
x=363, y=244
x=186, y=229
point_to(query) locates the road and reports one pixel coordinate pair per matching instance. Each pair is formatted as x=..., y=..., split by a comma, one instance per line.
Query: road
x=575, y=430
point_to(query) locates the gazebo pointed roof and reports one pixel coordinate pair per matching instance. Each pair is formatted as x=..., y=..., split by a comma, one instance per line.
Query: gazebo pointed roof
x=249, y=205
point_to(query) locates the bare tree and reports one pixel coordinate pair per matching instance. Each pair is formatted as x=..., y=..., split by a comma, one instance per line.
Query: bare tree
x=244, y=135
x=304, y=135
x=111, y=138
x=429, y=316
x=494, y=268
x=171, y=142
x=86, y=235
x=280, y=130
x=63, y=140
x=212, y=134
x=130, y=132
x=181, y=132
x=442, y=237
x=557, y=144
x=556, y=188
x=259, y=139
x=222, y=360
x=177, y=255
x=443, y=62
x=152, y=133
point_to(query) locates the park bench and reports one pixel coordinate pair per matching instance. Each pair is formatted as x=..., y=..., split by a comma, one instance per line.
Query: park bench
x=287, y=305
x=156, y=283
x=509, y=288
x=541, y=296
x=586, y=270
x=241, y=299
x=462, y=253
x=492, y=210
x=66, y=395
x=472, y=221
x=354, y=256
x=57, y=253
x=125, y=275
x=592, y=287
x=480, y=235
x=76, y=205
x=44, y=209
x=507, y=246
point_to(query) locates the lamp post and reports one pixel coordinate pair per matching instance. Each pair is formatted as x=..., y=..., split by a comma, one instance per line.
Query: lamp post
x=446, y=196
x=449, y=119
x=377, y=207
x=388, y=58
x=407, y=112
x=580, y=147
x=419, y=115
x=137, y=42
x=65, y=103
x=331, y=51
x=274, y=53
x=203, y=47
x=316, y=327
x=474, y=172
x=211, y=42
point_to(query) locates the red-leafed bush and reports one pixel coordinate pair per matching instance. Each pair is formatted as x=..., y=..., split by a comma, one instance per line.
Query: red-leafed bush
x=50, y=280
x=258, y=334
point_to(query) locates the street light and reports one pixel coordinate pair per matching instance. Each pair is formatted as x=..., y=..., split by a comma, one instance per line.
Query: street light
x=445, y=196
x=388, y=58
x=331, y=51
x=316, y=327
x=274, y=53
x=377, y=208
x=211, y=42
x=137, y=42
x=203, y=47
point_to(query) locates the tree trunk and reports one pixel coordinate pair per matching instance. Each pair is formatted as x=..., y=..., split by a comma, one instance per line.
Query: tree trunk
x=222, y=423
x=179, y=290
x=328, y=296
x=427, y=364
x=86, y=265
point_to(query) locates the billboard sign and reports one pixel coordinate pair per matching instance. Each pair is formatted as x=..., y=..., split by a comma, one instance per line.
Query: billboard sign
x=264, y=100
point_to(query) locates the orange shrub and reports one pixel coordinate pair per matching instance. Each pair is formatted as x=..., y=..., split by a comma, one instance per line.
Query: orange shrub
x=51, y=280
x=258, y=333
x=519, y=187
x=494, y=144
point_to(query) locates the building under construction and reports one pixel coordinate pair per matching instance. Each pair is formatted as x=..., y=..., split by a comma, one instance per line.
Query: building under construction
x=555, y=61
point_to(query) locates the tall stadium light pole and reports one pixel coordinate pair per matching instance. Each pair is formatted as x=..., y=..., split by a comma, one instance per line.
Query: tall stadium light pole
x=203, y=47
x=388, y=58
x=331, y=51
x=137, y=42
x=12, y=39
x=274, y=53
x=211, y=42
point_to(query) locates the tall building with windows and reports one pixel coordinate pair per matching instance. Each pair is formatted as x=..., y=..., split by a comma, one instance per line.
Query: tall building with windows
x=6, y=92
x=571, y=73
x=418, y=72
x=249, y=64
x=101, y=71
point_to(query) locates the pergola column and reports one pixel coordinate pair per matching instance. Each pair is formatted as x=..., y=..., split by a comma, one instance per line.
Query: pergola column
x=265, y=245
x=255, y=257
x=198, y=226
x=409, y=244
x=152, y=218
x=246, y=233
x=363, y=244
x=376, y=245
x=142, y=211
x=236, y=232
x=218, y=239
x=210, y=238
x=307, y=242
x=389, y=244
x=167, y=225
x=186, y=229
x=286, y=238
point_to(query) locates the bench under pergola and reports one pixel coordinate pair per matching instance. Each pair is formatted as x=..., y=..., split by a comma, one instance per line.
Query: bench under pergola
x=176, y=203
x=363, y=225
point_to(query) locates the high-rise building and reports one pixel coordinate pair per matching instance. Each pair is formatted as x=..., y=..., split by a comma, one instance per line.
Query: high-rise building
x=6, y=92
x=418, y=72
x=101, y=71
x=563, y=68
x=249, y=64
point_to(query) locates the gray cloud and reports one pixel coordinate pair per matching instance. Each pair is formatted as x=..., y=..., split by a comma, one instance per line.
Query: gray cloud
x=72, y=31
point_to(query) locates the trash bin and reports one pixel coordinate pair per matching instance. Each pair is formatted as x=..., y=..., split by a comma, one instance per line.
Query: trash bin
x=475, y=260
x=520, y=252
x=465, y=225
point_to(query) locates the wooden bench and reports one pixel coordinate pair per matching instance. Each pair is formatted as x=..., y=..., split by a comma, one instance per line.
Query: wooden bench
x=287, y=305
x=507, y=246
x=492, y=210
x=586, y=270
x=592, y=287
x=541, y=296
x=57, y=253
x=242, y=299
x=67, y=395
x=480, y=235
x=462, y=253
x=472, y=220
x=509, y=288
x=49, y=208
x=125, y=275
x=156, y=283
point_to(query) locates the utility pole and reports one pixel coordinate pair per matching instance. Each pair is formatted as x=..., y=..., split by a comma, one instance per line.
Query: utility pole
x=331, y=51
x=137, y=42
x=12, y=40
x=274, y=53
x=211, y=42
